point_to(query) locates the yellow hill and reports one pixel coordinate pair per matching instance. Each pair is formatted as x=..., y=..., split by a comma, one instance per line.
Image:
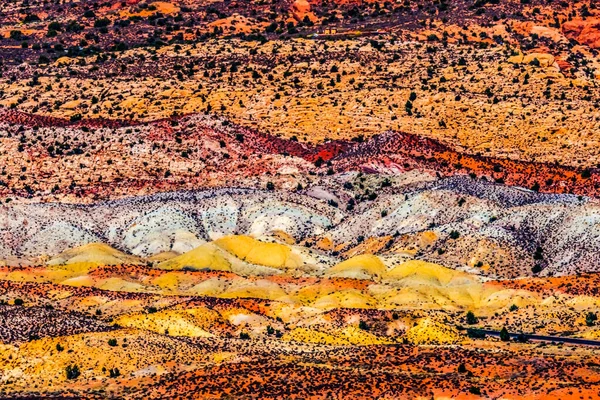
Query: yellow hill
x=39, y=363
x=364, y=266
x=357, y=336
x=351, y=335
x=192, y=323
x=175, y=281
x=261, y=289
x=202, y=257
x=350, y=298
x=428, y=331
x=93, y=255
x=120, y=285
x=246, y=248
x=162, y=257
x=427, y=272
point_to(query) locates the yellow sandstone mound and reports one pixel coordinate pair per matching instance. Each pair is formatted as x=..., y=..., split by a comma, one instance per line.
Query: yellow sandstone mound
x=201, y=258
x=364, y=266
x=543, y=59
x=192, y=323
x=356, y=336
x=65, y=61
x=140, y=353
x=162, y=257
x=428, y=331
x=426, y=272
x=350, y=298
x=253, y=251
x=350, y=335
x=117, y=284
x=259, y=289
x=93, y=255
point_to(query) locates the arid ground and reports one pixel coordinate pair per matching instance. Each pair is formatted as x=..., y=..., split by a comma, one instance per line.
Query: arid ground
x=292, y=199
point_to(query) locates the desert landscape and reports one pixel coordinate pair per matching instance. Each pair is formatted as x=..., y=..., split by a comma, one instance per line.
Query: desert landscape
x=325, y=199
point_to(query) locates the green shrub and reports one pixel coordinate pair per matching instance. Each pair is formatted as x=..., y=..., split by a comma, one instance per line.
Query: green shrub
x=471, y=318
x=72, y=371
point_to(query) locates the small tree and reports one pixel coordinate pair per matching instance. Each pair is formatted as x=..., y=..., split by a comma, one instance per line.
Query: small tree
x=590, y=318
x=504, y=336
x=471, y=318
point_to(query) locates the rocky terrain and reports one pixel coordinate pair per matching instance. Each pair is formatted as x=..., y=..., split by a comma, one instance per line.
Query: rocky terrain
x=299, y=199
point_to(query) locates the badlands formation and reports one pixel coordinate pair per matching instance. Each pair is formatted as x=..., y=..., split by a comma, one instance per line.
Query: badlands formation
x=299, y=199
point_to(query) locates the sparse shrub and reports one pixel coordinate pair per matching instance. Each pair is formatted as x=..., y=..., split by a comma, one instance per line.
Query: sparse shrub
x=54, y=26
x=31, y=18
x=101, y=23
x=539, y=254
x=471, y=318
x=504, y=336
x=112, y=342
x=475, y=390
x=16, y=35
x=591, y=318
x=72, y=372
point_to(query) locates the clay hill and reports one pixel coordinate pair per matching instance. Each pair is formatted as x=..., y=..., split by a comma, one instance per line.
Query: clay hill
x=200, y=151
